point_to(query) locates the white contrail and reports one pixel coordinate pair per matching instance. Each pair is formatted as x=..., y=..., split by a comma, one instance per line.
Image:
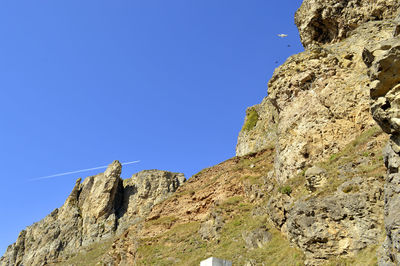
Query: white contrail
x=77, y=171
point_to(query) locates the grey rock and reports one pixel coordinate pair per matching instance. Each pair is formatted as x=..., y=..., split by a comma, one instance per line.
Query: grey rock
x=256, y=238
x=278, y=208
x=385, y=108
x=352, y=185
x=259, y=210
x=255, y=192
x=210, y=228
x=315, y=178
x=345, y=169
x=341, y=224
x=390, y=250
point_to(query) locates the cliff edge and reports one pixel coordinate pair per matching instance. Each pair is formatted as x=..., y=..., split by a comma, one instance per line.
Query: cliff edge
x=96, y=210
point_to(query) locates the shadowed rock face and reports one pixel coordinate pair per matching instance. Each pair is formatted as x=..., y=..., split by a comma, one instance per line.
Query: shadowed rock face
x=95, y=210
x=383, y=60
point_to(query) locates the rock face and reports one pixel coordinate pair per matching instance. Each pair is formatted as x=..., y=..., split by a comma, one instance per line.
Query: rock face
x=94, y=211
x=327, y=21
x=383, y=60
x=144, y=190
x=343, y=223
x=318, y=101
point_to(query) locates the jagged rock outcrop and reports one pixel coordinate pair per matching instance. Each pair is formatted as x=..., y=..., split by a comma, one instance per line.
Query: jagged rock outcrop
x=383, y=60
x=259, y=129
x=327, y=21
x=144, y=190
x=94, y=211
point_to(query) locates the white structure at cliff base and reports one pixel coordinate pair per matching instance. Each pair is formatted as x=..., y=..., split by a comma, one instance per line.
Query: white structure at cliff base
x=215, y=262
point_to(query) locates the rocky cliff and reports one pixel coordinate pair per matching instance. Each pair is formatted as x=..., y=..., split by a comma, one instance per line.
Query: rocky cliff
x=317, y=101
x=309, y=184
x=96, y=210
x=383, y=60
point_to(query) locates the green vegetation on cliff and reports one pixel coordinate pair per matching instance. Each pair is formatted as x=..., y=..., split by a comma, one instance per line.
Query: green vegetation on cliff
x=251, y=119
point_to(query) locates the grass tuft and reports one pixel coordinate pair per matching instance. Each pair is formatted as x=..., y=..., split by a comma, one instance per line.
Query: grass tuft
x=285, y=190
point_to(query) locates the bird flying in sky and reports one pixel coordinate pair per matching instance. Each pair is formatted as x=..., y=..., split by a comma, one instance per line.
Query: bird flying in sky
x=282, y=35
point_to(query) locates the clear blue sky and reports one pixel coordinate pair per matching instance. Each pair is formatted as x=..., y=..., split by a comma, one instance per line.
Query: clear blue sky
x=84, y=83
